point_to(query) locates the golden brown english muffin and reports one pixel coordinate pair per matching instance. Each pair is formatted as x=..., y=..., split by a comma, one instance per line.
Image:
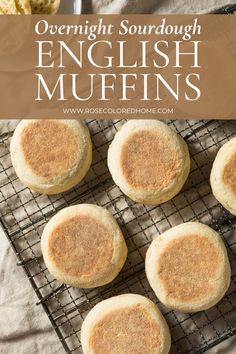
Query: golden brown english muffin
x=148, y=161
x=83, y=246
x=51, y=156
x=48, y=7
x=125, y=324
x=223, y=176
x=15, y=7
x=188, y=267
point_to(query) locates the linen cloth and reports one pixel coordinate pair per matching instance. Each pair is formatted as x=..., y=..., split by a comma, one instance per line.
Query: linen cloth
x=155, y=6
x=24, y=327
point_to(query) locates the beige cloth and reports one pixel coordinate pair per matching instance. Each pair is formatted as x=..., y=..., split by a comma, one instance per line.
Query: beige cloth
x=155, y=6
x=24, y=327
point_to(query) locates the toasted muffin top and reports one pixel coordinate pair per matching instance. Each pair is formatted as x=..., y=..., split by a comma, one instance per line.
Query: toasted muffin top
x=187, y=267
x=50, y=148
x=229, y=174
x=149, y=161
x=48, y=7
x=81, y=246
x=126, y=330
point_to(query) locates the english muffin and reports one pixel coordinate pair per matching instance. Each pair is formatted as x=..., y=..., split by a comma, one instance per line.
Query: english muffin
x=148, y=161
x=223, y=176
x=125, y=324
x=15, y=7
x=47, y=7
x=83, y=246
x=188, y=267
x=51, y=156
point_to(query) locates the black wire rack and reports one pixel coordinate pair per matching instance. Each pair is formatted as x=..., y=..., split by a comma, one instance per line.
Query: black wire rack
x=24, y=215
x=226, y=10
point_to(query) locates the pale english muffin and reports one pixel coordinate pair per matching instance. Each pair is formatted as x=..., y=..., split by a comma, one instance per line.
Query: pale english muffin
x=48, y=7
x=15, y=7
x=148, y=161
x=188, y=267
x=83, y=246
x=223, y=176
x=51, y=156
x=125, y=324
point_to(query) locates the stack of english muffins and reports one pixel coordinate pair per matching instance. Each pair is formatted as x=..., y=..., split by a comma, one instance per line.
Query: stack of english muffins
x=82, y=245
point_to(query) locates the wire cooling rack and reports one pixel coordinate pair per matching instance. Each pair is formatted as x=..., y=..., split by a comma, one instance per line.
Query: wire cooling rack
x=24, y=214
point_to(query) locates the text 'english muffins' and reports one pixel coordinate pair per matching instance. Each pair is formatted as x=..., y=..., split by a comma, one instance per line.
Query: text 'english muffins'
x=188, y=267
x=83, y=246
x=51, y=156
x=148, y=161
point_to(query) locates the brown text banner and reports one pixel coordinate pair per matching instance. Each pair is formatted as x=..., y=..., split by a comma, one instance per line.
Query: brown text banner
x=135, y=66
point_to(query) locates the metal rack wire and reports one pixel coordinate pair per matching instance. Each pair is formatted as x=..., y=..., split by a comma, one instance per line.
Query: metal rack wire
x=24, y=214
x=226, y=10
